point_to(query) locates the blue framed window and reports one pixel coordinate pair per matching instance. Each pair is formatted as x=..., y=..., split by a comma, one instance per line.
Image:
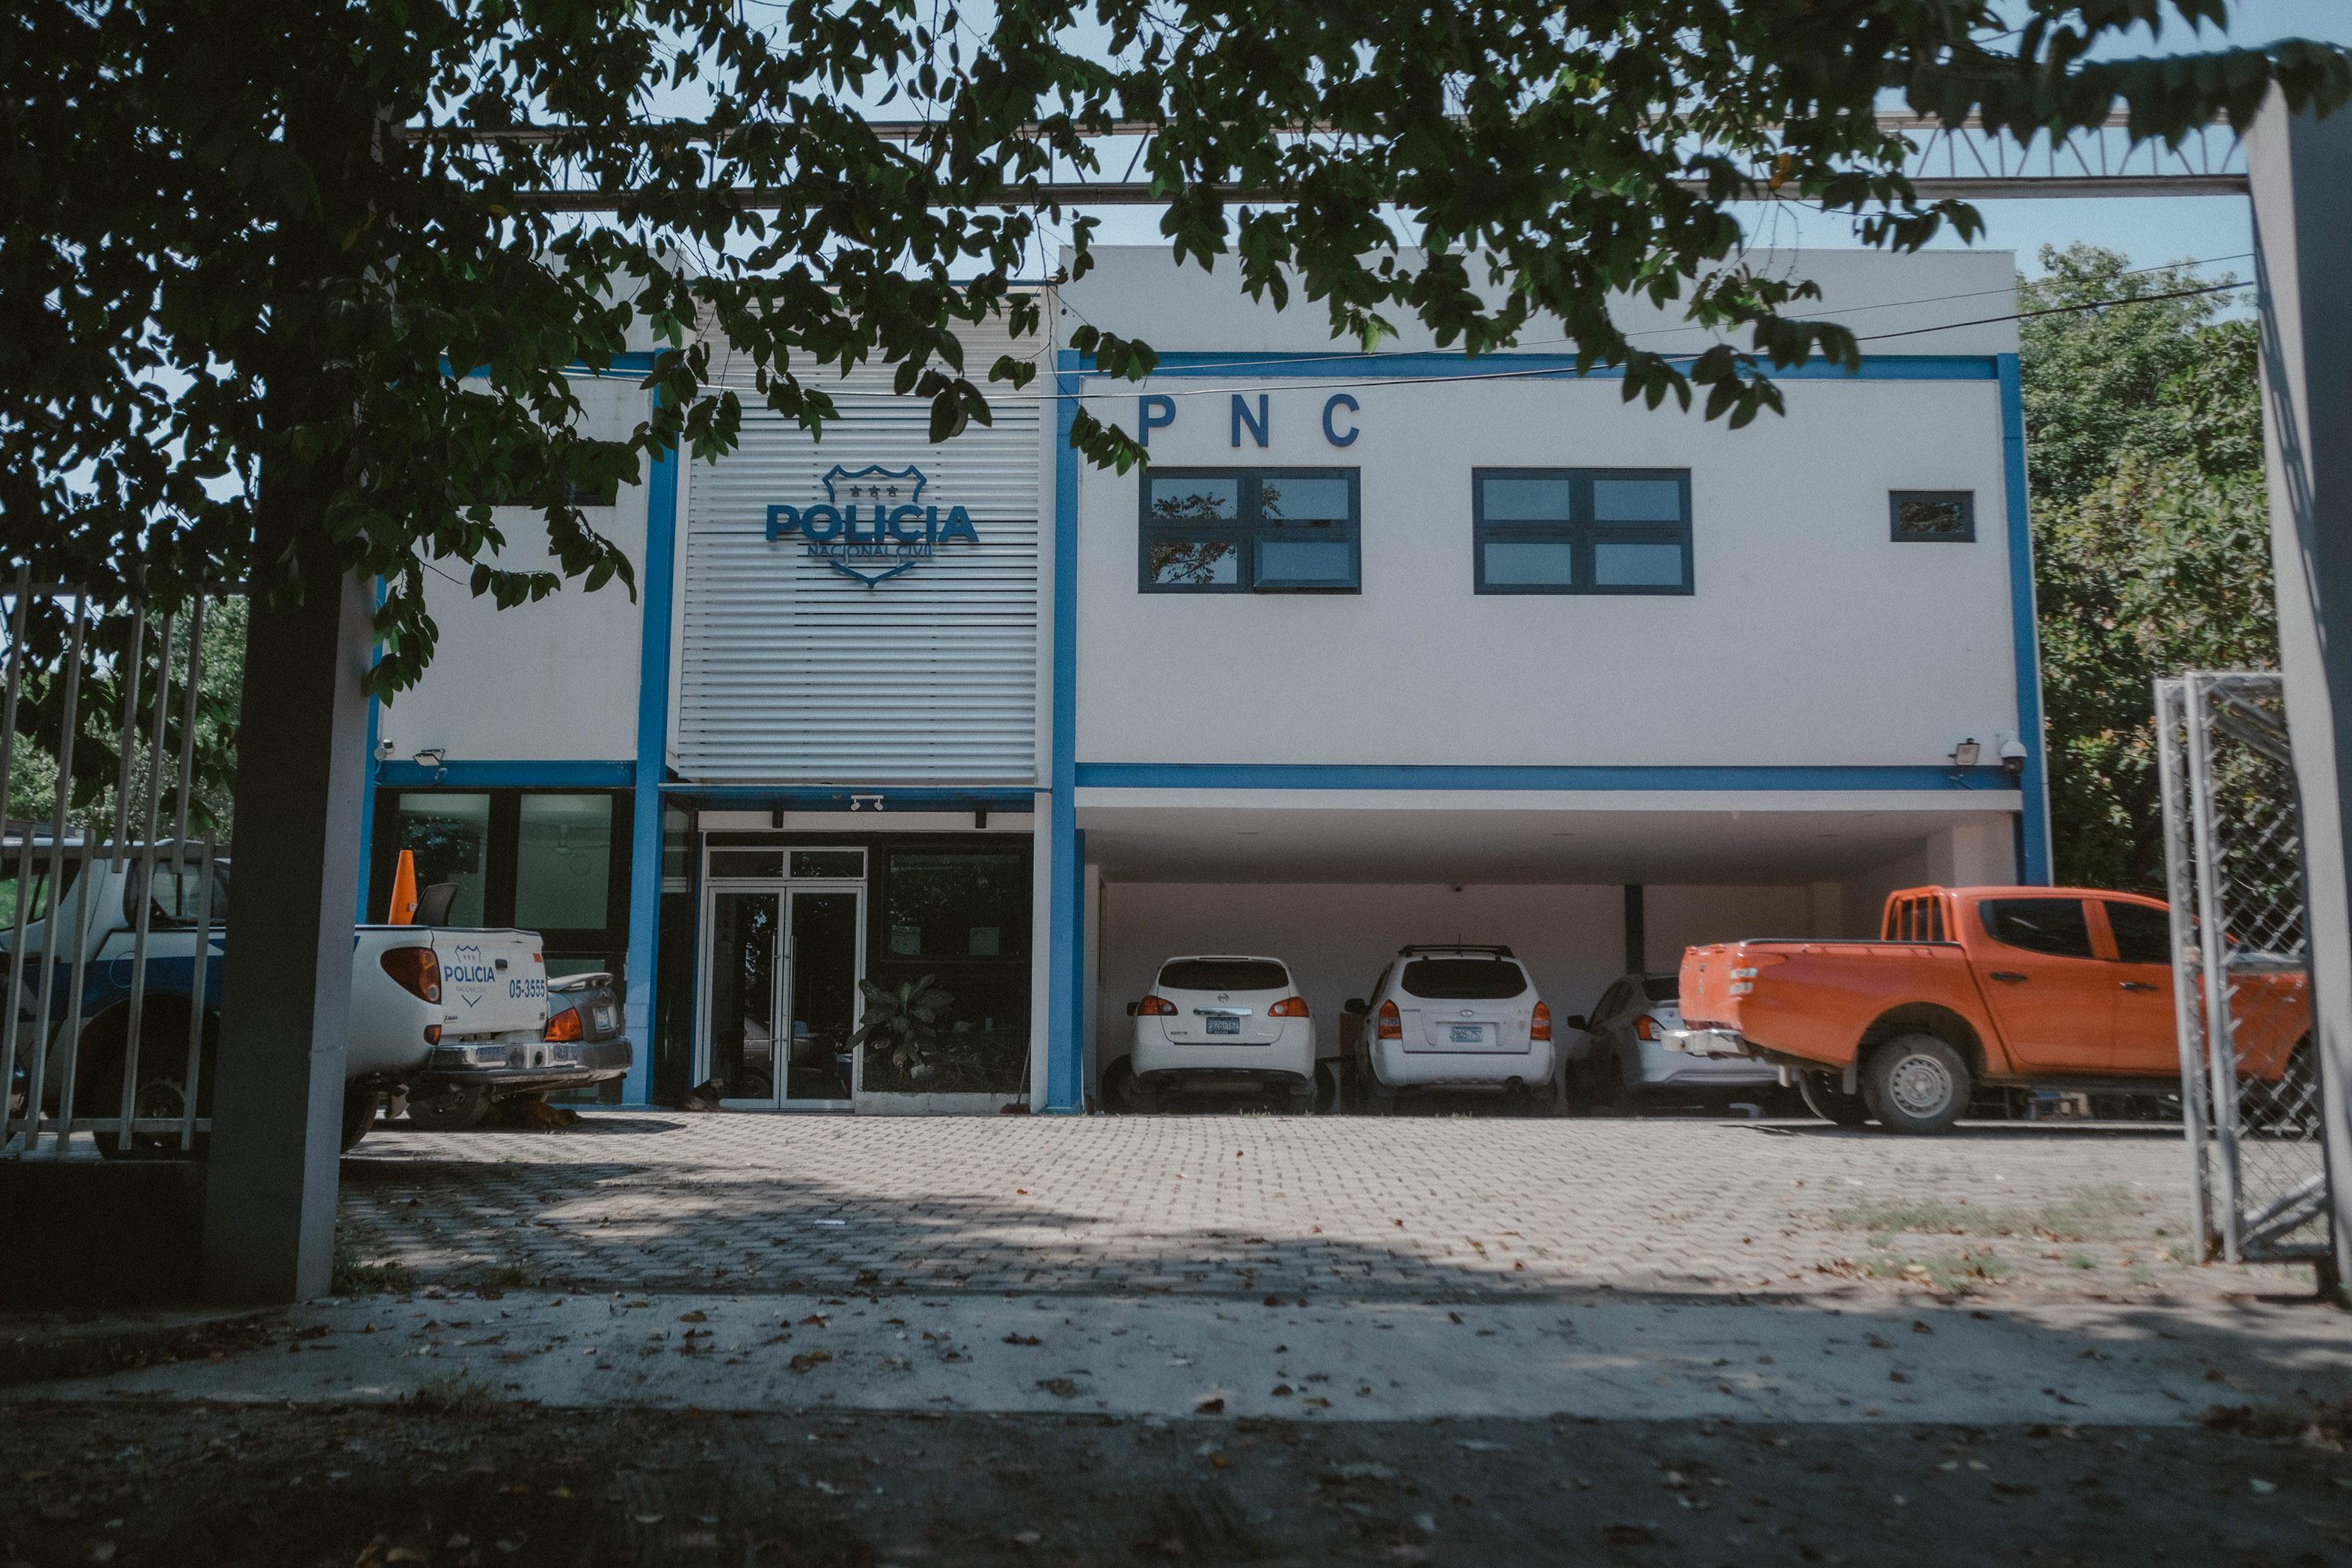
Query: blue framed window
x=1931, y=517
x=1250, y=530
x=1581, y=531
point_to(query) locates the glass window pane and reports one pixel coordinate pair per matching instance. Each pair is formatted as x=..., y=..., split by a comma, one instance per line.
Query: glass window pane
x=940, y=904
x=1290, y=498
x=747, y=862
x=1637, y=501
x=828, y=863
x=1305, y=561
x=2143, y=935
x=1179, y=500
x=1527, y=499
x=563, y=861
x=1193, y=563
x=1548, y=564
x=2055, y=926
x=1637, y=566
x=450, y=834
x=1934, y=516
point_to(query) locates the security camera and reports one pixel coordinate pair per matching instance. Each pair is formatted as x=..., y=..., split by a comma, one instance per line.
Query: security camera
x=386, y=750
x=2012, y=757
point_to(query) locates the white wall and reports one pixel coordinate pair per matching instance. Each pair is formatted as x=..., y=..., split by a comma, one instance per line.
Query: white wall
x=553, y=681
x=1812, y=638
x=1336, y=938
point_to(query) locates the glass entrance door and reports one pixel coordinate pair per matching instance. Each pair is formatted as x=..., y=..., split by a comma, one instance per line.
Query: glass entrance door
x=784, y=961
x=821, y=992
x=744, y=976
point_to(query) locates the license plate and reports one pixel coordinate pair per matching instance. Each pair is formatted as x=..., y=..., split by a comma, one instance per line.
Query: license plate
x=1222, y=1026
x=603, y=1020
x=1468, y=1034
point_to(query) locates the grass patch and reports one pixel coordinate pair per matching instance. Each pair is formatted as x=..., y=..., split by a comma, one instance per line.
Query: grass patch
x=508, y=1276
x=454, y=1393
x=1949, y=1274
x=349, y=1276
x=2090, y=1214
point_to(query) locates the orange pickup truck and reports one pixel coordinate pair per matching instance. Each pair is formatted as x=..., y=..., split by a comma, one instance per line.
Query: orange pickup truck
x=2047, y=987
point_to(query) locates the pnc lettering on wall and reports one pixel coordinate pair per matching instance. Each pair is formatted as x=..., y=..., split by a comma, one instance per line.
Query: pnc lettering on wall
x=1157, y=411
x=898, y=531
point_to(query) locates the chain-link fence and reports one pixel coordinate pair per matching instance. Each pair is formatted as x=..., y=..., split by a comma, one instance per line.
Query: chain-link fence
x=112, y=921
x=2242, y=971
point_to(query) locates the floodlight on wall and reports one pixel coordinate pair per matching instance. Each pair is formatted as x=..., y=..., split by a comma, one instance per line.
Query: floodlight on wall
x=2012, y=757
x=1965, y=754
x=430, y=757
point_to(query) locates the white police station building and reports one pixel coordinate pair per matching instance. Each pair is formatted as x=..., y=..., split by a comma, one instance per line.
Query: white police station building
x=1380, y=649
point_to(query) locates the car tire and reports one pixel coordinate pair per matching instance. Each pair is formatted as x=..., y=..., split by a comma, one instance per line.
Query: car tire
x=359, y=1115
x=1117, y=1085
x=1614, y=1097
x=454, y=1108
x=1143, y=1098
x=1825, y=1099
x=1300, y=1101
x=1916, y=1083
x=1331, y=1089
x=1379, y=1100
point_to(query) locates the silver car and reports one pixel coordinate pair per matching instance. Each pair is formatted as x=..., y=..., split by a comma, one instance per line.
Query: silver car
x=1632, y=1028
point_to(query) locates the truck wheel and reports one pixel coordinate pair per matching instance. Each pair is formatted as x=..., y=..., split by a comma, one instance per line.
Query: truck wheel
x=447, y=1108
x=1916, y=1083
x=1825, y=1099
x=359, y=1115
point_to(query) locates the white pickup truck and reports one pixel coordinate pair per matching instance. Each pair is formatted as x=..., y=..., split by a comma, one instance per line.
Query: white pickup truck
x=435, y=1012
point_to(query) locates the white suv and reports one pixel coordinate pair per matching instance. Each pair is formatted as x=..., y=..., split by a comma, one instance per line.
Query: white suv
x=1452, y=1016
x=1217, y=1021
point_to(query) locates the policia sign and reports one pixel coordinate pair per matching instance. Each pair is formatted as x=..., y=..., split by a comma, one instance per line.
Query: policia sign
x=872, y=524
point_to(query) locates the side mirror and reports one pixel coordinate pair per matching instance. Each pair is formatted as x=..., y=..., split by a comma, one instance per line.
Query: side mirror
x=1356, y=1004
x=1130, y=1009
x=1575, y=1021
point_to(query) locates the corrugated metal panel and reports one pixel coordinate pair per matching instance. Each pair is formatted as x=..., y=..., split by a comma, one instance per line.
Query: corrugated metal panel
x=791, y=672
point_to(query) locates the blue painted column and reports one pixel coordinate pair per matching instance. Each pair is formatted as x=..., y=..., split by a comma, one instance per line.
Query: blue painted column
x=654, y=589
x=1065, y=1041
x=2034, y=820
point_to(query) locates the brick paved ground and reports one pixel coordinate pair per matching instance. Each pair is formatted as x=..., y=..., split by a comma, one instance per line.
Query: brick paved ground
x=1438, y=1208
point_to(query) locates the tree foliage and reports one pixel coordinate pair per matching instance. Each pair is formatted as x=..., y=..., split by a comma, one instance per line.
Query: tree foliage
x=271, y=306
x=2151, y=536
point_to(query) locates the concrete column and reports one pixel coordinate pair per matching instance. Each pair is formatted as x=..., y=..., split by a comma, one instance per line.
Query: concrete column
x=2302, y=172
x=278, y=1096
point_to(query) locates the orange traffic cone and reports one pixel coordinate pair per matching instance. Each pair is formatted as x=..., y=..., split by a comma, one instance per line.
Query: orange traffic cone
x=404, y=891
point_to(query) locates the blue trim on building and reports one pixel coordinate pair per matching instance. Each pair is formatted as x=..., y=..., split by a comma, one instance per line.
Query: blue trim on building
x=2033, y=855
x=830, y=797
x=403, y=773
x=654, y=588
x=1533, y=366
x=1316, y=775
x=1075, y=876
x=1065, y=1085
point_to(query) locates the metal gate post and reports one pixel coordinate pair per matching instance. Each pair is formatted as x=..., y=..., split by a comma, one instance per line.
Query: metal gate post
x=2300, y=168
x=2171, y=701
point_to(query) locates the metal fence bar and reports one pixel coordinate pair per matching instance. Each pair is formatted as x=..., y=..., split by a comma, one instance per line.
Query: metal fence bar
x=201, y=957
x=71, y=1040
x=133, y=658
x=144, y=881
x=71, y=724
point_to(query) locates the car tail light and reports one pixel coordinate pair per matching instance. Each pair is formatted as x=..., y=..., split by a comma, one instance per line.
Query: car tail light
x=1540, y=1028
x=432, y=1034
x=1646, y=1027
x=1155, y=1007
x=416, y=971
x=563, y=1026
x=1288, y=1007
x=1391, y=1022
